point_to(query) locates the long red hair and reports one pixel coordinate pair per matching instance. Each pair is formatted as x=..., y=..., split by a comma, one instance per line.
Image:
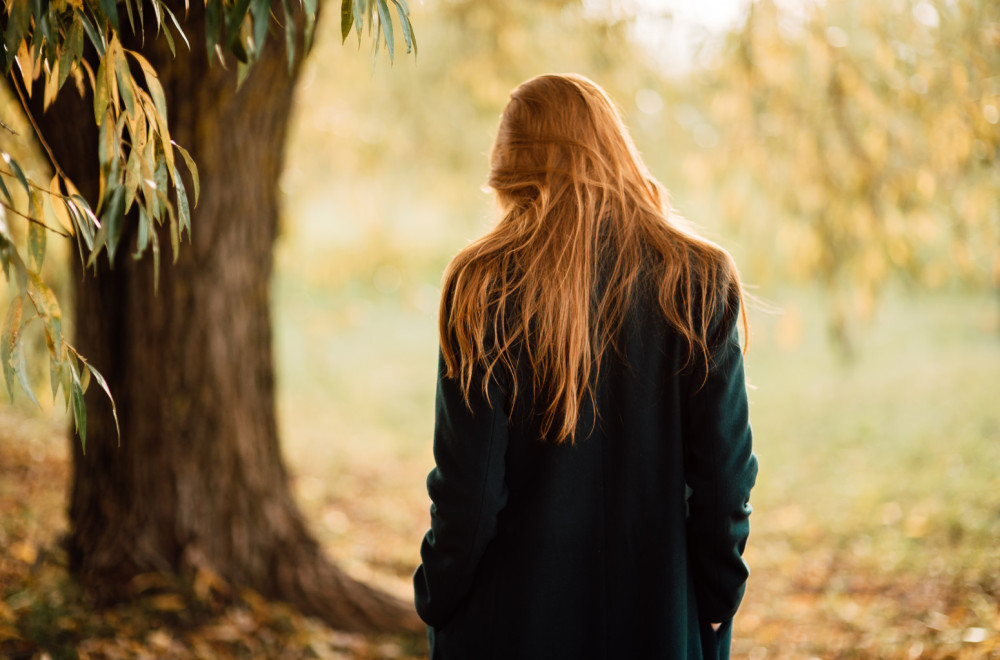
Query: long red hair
x=583, y=224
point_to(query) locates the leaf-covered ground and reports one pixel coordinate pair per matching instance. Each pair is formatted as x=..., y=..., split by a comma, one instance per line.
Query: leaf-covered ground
x=811, y=595
x=44, y=615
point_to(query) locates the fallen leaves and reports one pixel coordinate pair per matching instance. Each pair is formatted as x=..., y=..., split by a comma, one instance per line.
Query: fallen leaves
x=25, y=551
x=810, y=596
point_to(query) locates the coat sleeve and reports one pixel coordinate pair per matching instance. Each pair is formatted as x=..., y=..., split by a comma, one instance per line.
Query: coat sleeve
x=467, y=492
x=720, y=469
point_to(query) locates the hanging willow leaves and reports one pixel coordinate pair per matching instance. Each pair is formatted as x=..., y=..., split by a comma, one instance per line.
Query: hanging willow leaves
x=867, y=144
x=10, y=337
x=139, y=180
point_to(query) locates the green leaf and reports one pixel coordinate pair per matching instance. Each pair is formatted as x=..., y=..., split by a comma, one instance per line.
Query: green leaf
x=102, y=96
x=242, y=71
x=36, y=244
x=155, y=240
x=43, y=31
x=65, y=377
x=79, y=411
x=82, y=237
x=18, y=23
x=112, y=222
x=11, y=256
x=404, y=22
x=73, y=46
x=5, y=255
x=93, y=33
x=346, y=18
x=213, y=25
x=241, y=54
x=21, y=369
x=107, y=390
x=261, y=12
x=83, y=217
x=133, y=177
x=74, y=42
x=385, y=21
x=183, y=209
x=6, y=193
x=34, y=206
x=310, y=6
x=18, y=173
x=110, y=9
x=147, y=161
x=177, y=25
x=142, y=25
x=107, y=154
x=158, y=16
x=234, y=19
x=160, y=178
x=124, y=78
x=128, y=8
x=170, y=39
x=142, y=240
x=359, y=17
x=11, y=331
x=193, y=169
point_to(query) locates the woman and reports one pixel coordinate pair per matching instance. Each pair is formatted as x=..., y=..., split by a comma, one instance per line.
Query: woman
x=590, y=498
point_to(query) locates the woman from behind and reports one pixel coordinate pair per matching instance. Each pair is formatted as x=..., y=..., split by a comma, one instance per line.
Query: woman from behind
x=593, y=451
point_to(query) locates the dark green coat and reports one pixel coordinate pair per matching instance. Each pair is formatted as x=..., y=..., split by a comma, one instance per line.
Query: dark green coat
x=593, y=550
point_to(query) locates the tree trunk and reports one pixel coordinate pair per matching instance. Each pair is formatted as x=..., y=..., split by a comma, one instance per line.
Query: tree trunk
x=198, y=480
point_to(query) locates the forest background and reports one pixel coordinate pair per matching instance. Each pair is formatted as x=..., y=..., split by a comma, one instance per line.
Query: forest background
x=845, y=152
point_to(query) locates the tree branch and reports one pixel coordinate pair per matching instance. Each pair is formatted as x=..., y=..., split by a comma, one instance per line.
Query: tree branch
x=34, y=220
x=38, y=132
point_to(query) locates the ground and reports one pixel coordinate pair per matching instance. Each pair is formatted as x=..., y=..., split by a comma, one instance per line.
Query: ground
x=875, y=532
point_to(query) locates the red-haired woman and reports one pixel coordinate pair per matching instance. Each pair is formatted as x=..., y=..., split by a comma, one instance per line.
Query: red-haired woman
x=593, y=450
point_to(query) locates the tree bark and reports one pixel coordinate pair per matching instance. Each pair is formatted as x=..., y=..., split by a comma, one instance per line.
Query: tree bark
x=198, y=480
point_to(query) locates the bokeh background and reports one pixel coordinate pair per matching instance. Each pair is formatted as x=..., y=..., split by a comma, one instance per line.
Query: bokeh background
x=844, y=151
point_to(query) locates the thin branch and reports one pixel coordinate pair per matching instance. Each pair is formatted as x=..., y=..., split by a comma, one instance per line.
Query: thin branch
x=38, y=131
x=36, y=186
x=7, y=128
x=34, y=220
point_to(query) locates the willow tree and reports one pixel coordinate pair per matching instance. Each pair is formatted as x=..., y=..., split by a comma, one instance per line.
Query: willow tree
x=184, y=472
x=872, y=133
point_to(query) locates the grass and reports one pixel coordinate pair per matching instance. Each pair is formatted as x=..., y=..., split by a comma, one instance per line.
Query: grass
x=877, y=513
x=902, y=440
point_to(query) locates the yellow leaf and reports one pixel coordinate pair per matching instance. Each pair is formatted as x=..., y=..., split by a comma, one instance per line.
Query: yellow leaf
x=58, y=210
x=159, y=639
x=167, y=603
x=26, y=551
x=146, y=581
x=207, y=581
x=9, y=632
x=51, y=86
x=27, y=64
